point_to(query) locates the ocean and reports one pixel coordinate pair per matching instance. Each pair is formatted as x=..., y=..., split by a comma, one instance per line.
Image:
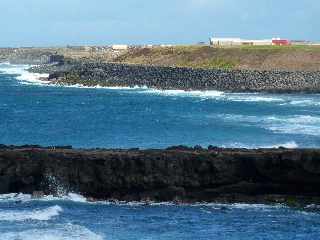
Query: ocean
x=34, y=112
x=22, y=218
x=31, y=112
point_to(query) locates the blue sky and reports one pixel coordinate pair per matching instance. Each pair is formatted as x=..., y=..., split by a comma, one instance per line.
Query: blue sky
x=101, y=22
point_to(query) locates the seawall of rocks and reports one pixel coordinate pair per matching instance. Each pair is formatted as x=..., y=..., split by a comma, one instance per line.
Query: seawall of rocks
x=113, y=74
x=176, y=174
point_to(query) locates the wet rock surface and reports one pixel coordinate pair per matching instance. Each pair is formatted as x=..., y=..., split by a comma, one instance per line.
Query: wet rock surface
x=114, y=74
x=178, y=174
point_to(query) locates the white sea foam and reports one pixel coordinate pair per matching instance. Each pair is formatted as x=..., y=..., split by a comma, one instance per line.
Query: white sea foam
x=202, y=94
x=23, y=76
x=252, y=97
x=76, y=197
x=19, y=197
x=292, y=124
x=15, y=197
x=300, y=124
x=7, y=68
x=243, y=206
x=39, y=215
x=33, y=78
x=60, y=232
x=305, y=101
x=218, y=95
x=210, y=94
x=49, y=213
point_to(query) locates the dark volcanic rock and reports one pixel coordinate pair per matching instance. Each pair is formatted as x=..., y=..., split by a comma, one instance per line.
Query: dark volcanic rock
x=112, y=74
x=175, y=174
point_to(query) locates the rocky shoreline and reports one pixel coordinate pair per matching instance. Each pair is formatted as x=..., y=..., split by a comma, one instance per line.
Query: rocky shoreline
x=178, y=174
x=90, y=73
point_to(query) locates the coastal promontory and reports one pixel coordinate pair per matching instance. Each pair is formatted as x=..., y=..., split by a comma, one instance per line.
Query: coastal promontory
x=178, y=174
x=291, y=69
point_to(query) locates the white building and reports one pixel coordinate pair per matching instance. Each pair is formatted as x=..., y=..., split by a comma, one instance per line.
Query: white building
x=166, y=45
x=238, y=42
x=120, y=47
x=225, y=41
x=264, y=42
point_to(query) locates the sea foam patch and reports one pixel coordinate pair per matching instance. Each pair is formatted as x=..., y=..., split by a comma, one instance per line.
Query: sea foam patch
x=299, y=124
x=33, y=78
x=294, y=100
x=292, y=124
x=183, y=93
x=23, y=75
x=20, y=197
x=38, y=215
x=58, y=232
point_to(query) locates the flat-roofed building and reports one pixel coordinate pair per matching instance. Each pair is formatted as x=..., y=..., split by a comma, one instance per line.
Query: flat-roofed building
x=238, y=42
x=301, y=42
x=255, y=42
x=281, y=42
x=264, y=42
x=119, y=47
x=225, y=41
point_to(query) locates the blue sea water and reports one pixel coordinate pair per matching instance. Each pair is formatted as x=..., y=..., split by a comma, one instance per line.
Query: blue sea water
x=72, y=218
x=31, y=112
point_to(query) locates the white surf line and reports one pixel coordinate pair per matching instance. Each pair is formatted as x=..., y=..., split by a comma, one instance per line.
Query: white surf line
x=39, y=215
x=55, y=232
x=28, y=78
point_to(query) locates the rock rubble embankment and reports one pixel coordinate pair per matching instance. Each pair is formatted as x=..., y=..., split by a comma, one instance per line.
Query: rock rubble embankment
x=114, y=74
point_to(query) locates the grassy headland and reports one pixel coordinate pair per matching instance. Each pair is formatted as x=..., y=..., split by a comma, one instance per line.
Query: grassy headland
x=292, y=58
x=286, y=58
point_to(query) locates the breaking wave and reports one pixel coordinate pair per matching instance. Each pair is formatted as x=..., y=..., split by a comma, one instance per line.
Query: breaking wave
x=23, y=76
x=305, y=102
x=39, y=215
x=202, y=94
x=51, y=212
x=61, y=232
x=20, y=197
x=27, y=78
x=308, y=125
x=292, y=124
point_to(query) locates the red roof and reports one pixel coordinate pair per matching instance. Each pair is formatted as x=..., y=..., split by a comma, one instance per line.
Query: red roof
x=281, y=41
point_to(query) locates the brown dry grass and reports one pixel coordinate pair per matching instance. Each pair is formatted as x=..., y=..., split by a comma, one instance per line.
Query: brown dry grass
x=290, y=58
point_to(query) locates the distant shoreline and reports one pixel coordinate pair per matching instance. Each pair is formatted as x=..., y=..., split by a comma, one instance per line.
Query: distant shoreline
x=271, y=69
x=90, y=74
x=261, y=58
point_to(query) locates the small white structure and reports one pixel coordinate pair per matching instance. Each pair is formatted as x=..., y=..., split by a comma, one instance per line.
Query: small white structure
x=166, y=45
x=238, y=42
x=225, y=41
x=120, y=47
x=265, y=42
x=87, y=48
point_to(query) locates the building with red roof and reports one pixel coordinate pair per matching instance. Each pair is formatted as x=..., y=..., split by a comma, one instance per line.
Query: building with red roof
x=281, y=42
